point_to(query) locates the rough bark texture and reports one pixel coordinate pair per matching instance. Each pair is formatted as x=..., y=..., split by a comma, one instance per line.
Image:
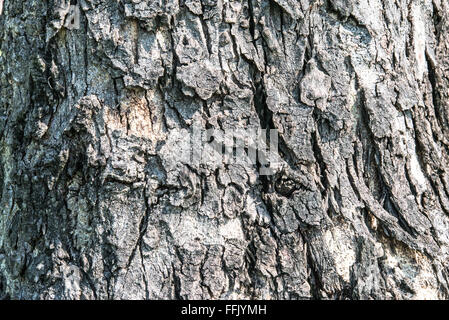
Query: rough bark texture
x=93, y=206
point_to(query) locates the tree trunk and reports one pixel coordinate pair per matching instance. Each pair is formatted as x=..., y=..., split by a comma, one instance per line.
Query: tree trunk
x=96, y=205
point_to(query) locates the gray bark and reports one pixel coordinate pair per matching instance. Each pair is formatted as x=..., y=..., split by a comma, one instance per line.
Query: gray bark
x=93, y=206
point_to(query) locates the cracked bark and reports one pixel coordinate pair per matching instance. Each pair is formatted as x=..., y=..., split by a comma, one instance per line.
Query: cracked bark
x=93, y=206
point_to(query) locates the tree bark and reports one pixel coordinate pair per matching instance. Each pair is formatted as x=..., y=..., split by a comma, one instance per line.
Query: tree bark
x=94, y=206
